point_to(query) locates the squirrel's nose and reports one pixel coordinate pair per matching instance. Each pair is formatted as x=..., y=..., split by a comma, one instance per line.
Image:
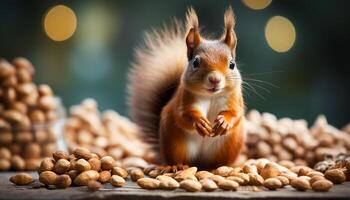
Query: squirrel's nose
x=214, y=79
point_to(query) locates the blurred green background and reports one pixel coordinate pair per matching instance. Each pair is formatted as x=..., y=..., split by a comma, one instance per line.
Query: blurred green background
x=312, y=76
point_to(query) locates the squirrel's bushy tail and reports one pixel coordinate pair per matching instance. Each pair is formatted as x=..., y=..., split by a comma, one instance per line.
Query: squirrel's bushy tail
x=156, y=73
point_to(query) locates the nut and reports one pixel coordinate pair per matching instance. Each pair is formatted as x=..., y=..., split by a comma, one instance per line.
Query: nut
x=85, y=177
x=73, y=174
x=82, y=165
x=236, y=179
x=217, y=178
x=60, y=155
x=4, y=165
x=107, y=163
x=47, y=177
x=61, y=166
x=5, y=153
x=63, y=181
x=21, y=179
x=82, y=153
x=120, y=172
x=94, y=186
x=47, y=164
x=223, y=171
x=190, y=185
x=208, y=184
x=136, y=174
x=300, y=184
x=272, y=183
x=269, y=171
x=335, y=175
x=105, y=176
x=322, y=185
x=167, y=183
x=117, y=181
x=255, y=179
x=284, y=180
x=316, y=178
x=18, y=163
x=203, y=174
x=228, y=185
x=95, y=164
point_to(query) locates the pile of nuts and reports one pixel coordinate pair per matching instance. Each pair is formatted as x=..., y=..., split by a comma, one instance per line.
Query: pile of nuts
x=106, y=133
x=286, y=139
x=27, y=114
x=82, y=168
x=254, y=172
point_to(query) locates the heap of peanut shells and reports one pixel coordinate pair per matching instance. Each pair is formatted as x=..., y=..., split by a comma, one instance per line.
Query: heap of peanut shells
x=287, y=139
x=27, y=111
x=106, y=133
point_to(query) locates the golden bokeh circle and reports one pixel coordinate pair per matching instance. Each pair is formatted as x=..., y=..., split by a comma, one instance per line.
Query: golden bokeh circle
x=280, y=33
x=256, y=4
x=60, y=23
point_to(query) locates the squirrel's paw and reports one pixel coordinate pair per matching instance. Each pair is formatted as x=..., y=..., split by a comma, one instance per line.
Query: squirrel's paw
x=203, y=127
x=221, y=126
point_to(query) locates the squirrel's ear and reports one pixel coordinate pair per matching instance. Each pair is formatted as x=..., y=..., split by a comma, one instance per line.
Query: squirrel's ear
x=229, y=36
x=192, y=41
x=193, y=37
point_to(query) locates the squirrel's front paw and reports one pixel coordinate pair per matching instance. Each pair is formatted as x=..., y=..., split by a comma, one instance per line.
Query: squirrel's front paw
x=221, y=126
x=203, y=127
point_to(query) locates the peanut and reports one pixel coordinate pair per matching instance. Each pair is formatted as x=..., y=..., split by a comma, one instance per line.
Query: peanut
x=47, y=177
x=120, y=172
x=300, y=184
x=335, y=175
x=223, y=171
x=94, y=186
x=47, y=164
x=61, y=166
x=255, y=179
x=203, y=174
x=136, y=174
x=63, y=181
x=82, y=165
x=208, y=184
x=105, y=176
x=272, y=183
x=322, y=185
x=190, y=185
x=269, y=171
x=107, y=163
x=117, y=181
x=228, y=185
x=95, y=164
x=167, y=183
x=21, y=179
x=82, y=153
x=85, y=177
x=60, y=155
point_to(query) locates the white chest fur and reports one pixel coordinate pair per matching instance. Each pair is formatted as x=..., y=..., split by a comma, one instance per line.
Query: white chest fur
x=198, y=147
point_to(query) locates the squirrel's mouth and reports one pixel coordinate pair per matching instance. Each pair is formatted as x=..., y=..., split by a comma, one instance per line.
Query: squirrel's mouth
x=214, y=89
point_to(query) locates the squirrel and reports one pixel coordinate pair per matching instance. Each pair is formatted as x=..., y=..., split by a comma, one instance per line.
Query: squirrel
x=185, y=93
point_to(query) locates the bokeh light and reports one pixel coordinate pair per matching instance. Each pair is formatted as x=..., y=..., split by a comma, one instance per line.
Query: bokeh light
x=60, y=23
x=257, y=4
x=280, y=33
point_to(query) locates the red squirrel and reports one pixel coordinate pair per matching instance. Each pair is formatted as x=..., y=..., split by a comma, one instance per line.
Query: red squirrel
x=185, y=93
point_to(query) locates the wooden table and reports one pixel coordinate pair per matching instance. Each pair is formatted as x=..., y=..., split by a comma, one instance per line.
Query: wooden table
x=132, y=191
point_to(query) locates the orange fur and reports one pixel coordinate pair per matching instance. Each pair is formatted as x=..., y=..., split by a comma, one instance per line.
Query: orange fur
x=176, y=104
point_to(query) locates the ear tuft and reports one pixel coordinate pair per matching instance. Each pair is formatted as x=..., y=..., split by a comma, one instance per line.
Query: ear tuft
x=229, y=36
x=193, y=37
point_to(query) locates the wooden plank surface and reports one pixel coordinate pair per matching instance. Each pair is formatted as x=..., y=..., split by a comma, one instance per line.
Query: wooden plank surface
x=131, y=191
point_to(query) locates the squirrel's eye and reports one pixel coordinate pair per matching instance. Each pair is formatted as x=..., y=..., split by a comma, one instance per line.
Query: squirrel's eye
x=232, y=64
x=196, y=62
